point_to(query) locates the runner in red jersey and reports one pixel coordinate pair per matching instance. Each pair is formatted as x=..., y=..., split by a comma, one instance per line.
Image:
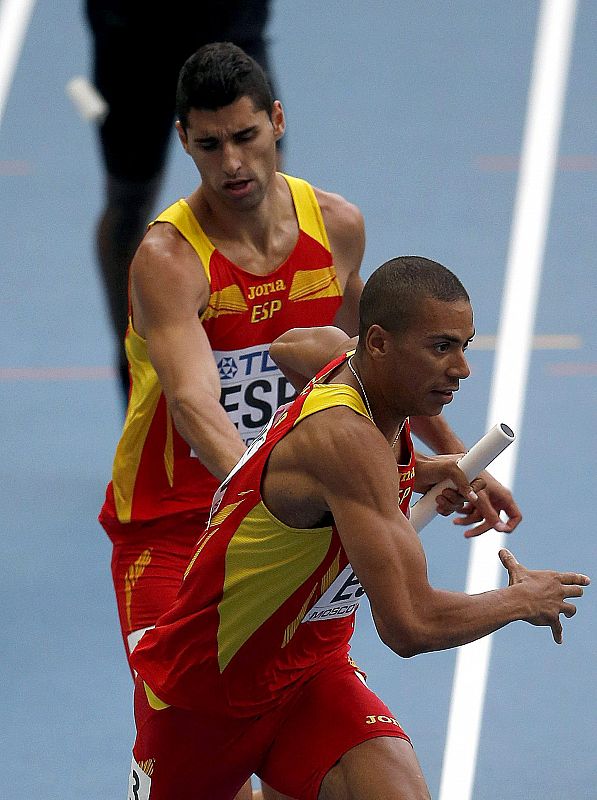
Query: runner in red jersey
x=218, y=276
x=265, y=609
x=249, y=633
x=248, y=671
x=205, y=306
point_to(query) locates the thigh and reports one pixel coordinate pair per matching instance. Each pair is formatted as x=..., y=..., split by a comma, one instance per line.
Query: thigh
x=184, y=754
x=334, y=712
x=148, y=563
x=135, y=70
x=381, y=767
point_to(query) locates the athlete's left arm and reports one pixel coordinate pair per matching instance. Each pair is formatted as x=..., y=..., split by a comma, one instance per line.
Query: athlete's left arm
x=484, y=514
x=346, y=232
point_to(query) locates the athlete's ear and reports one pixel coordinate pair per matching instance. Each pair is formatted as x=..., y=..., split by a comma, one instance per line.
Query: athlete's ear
x=278, y=120
x=376, y=341
x=182, y=135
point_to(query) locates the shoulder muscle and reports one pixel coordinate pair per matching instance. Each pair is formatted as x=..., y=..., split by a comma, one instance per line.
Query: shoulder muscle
x=167, y=278
x=346, y=231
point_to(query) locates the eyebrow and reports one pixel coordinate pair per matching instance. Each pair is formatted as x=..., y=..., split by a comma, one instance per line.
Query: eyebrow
x=448, y=337
x=212, y=138
x=248, y=129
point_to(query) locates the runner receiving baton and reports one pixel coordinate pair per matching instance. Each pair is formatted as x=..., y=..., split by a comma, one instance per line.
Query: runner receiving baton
x=249, y=670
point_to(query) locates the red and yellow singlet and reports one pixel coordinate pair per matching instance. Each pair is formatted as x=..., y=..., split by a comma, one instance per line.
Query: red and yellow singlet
x=262, y=605
x=155, y=472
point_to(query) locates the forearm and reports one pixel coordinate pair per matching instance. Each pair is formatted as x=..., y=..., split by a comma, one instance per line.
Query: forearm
x=450, y=619
x=437, y=434
x=204, y=425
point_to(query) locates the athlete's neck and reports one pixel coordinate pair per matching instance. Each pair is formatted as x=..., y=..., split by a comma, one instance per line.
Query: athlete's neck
x=223, y=220
x=386, y=419
x=258, y=239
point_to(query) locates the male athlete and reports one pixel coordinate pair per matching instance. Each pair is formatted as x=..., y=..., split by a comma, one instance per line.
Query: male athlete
x=248, y=671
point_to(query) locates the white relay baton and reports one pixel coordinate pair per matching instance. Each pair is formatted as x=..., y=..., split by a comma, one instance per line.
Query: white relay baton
x=472, y=463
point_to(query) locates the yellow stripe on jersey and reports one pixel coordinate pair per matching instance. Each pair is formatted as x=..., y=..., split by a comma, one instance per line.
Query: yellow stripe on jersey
x=132, y=575
x=146, y=391
x=266, y=562
x=330, y=575
x=206, y=536
x=169, y=451
x=180, y=215
x=311, y=284
x=157, y=705
x=219, y=518
x=307, y=208
x=229, y=300
x=294, y=625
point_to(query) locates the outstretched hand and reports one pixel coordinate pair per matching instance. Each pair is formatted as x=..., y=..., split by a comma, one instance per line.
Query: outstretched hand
x=546, y=592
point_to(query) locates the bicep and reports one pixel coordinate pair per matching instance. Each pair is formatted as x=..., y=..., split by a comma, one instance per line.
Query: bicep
x=361, y=486
x=181, y=355
x=168, y=293
x=385, y=554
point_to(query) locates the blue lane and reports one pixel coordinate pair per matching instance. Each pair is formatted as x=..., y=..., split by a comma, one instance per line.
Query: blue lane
x=403, y=109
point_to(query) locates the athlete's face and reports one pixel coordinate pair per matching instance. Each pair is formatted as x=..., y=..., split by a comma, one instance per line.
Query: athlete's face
x=427, y=361
x=234, y=149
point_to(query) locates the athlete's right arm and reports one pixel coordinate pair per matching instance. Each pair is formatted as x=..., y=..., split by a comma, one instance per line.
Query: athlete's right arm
x=301, y=352
x=354, y=472
x=169, y=290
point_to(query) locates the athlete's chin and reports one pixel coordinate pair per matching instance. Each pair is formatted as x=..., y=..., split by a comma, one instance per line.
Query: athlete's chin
x=433, y=406
x=244, y=202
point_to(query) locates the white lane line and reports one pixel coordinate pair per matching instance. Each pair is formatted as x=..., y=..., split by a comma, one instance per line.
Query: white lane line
x=544, y=341
x=580, y=162
x=56, y=373
x=519, y=301
x=14, y=20
x=573, y=370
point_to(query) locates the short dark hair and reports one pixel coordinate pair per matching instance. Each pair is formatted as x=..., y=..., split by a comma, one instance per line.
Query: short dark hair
x=218, y=74
x=394, y=291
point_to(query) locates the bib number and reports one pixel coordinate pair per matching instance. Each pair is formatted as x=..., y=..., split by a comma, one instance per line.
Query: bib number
x=139, y=783
x=341, y=600
x=252, y=388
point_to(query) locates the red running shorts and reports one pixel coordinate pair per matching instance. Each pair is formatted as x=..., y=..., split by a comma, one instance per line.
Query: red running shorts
x=182, y=753
x=148, y=562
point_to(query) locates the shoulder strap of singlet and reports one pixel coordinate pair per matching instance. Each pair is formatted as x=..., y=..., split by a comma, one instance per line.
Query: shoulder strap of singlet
x=328, y=395
x=307, y=208
x=180, y=215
